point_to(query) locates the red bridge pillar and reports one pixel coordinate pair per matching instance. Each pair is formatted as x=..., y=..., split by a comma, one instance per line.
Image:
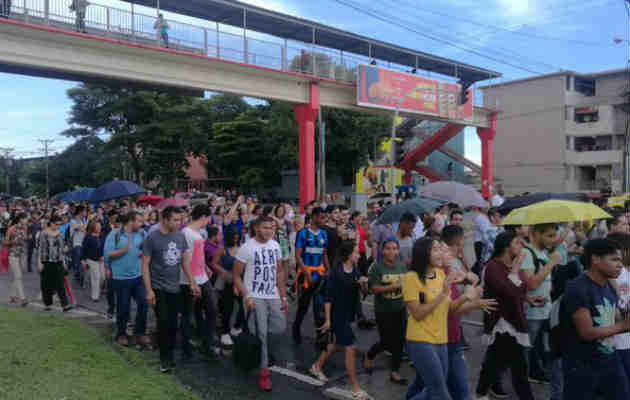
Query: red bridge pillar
x=306, y=114
x=487, y=136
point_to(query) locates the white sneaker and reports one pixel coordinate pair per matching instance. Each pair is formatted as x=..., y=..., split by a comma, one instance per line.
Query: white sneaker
x=235, y=331
x=226, y=340
x=477, y=397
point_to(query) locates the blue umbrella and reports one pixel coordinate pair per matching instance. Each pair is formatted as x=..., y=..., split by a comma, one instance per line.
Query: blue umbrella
x=60, y=196
x=83, y=194
x=115, y=190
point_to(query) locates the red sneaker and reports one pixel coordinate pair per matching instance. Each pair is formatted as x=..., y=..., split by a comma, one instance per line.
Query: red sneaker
x=264, y=380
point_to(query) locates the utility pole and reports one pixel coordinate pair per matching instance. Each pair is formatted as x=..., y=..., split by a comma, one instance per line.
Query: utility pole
x=46, y=142
x=6, y=151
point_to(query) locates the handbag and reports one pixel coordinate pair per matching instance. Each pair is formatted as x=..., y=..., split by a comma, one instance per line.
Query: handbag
x=247, y=348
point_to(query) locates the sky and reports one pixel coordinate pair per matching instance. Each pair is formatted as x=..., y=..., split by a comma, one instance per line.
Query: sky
x=518, y=38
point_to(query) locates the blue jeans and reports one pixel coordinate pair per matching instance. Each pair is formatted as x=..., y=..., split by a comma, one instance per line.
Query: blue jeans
x=586, y=380
x=125, y=290
x=76, y=264
x=431, y=364
x=624, y=357
x=457, y=380
x=537, y=356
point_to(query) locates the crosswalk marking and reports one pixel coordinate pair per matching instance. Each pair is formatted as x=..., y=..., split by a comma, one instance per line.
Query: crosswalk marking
x=297, y=375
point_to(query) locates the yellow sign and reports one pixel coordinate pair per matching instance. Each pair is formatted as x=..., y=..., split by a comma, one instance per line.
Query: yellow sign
x=371, y=180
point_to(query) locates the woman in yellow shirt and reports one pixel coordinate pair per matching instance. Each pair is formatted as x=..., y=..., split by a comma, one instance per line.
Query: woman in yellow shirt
x=426, y=292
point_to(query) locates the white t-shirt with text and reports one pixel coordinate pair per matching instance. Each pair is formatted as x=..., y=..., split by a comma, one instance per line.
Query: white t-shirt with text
x=261, y=262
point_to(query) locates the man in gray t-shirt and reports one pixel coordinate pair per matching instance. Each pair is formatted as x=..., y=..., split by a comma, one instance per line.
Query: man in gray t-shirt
x=164, y=254
x=167, y=254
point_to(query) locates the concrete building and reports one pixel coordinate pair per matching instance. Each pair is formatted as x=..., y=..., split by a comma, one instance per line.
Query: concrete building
x=563, y=132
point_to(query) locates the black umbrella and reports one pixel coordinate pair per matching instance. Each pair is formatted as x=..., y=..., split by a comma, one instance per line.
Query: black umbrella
x=525, y=200
x=115, y=190
x=415, y=206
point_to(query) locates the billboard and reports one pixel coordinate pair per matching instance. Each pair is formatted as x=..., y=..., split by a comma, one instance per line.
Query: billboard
x=383, y=88
x=372, y=179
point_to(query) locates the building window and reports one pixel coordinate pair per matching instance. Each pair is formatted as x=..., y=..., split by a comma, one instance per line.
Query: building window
x=593, y=143
x=585, y=86
x=569, y=143
x=586, y=114
x=568, y=79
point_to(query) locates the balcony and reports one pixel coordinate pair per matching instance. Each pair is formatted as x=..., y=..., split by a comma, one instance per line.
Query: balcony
x=602, y=122
x=596, y=157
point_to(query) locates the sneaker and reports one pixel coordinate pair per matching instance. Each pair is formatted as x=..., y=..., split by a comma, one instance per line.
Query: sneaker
x=497, y=392
x=47, y=308
x=235, y=331
x=226, y=340
x=67, y=308
x=264, y=380
x=164, y=368
x=481, y=397
x=122, y=341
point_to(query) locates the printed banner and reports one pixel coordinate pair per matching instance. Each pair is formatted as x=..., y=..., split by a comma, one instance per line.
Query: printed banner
x=372, y=179
x=383, y=88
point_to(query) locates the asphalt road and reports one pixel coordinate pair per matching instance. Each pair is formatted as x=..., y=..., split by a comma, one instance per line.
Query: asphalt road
x=220, y=380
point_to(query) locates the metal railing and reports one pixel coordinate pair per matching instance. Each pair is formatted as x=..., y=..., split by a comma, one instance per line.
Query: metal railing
x=128, y=25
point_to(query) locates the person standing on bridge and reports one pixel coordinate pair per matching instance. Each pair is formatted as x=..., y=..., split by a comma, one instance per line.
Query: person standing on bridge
x=5, y=8
x=162, y=27
x=80, y=8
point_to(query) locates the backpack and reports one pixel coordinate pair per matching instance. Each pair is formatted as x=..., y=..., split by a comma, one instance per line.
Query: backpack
x=537, y=261
x=559, y=321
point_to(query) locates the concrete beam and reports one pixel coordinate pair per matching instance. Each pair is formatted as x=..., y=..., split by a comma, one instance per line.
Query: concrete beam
x=79, y=56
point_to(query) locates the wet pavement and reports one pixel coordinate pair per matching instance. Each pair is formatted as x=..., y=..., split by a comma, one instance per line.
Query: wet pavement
x=220, y=379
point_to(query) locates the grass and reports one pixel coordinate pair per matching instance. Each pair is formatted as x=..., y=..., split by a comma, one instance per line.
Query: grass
x=44, y=356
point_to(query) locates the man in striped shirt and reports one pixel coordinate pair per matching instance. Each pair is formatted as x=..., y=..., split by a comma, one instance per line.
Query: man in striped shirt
x=312, y=263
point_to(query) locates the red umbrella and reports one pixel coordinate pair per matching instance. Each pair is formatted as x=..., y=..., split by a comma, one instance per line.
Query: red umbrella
x=172, y=201
x=153, y=200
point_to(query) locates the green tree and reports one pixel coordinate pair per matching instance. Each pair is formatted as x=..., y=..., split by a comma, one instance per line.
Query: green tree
x=86, y=163
x=155, y=130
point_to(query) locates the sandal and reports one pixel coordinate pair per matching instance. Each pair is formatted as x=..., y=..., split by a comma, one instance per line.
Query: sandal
x=317, y=373
x=361, y=395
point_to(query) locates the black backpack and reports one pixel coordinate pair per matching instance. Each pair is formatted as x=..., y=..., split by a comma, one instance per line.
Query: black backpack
x=247, y=347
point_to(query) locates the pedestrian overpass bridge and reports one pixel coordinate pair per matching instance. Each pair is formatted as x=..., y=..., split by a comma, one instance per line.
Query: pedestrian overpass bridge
x=121, y=46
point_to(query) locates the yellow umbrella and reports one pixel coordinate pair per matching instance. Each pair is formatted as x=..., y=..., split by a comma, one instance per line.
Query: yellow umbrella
x=618, y=201
x=555, y=211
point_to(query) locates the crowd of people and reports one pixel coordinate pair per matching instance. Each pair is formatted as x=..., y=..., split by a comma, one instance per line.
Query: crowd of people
x=554, y=297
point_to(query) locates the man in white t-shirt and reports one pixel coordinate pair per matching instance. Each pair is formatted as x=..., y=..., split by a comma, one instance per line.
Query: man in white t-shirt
x=263, y=288
x=205, y=311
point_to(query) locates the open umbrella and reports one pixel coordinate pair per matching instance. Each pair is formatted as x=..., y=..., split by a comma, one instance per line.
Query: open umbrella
x=555, y=211
x=152, y=199
x=453, y=192
x=82, y=195
x=115, y=190
x=526, y=200
x=172, y=201
x=415, y=206
x=618, y=201
x=60, y=196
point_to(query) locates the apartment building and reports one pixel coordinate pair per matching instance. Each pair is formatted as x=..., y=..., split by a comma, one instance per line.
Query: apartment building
x=562, y=132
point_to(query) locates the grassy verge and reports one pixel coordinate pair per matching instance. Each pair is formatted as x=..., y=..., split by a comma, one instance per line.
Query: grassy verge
x=50, y=357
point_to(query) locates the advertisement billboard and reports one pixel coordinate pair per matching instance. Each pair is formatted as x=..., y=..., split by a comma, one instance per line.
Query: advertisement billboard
x=384, y=88
x=371, y=180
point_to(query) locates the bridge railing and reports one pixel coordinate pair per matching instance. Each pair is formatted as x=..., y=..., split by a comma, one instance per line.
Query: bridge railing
x=215, y=42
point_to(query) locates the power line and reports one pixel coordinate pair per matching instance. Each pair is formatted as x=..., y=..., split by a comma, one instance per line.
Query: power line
x=504, y=29
x=501, y=51
x=380, y=17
